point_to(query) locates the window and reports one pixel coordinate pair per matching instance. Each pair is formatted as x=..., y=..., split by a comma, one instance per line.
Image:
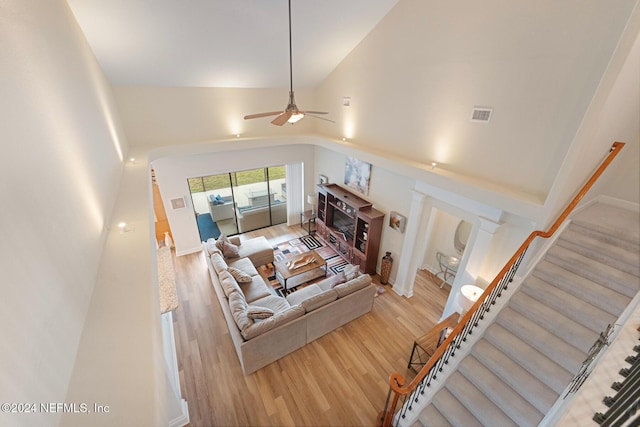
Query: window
x=238, y=202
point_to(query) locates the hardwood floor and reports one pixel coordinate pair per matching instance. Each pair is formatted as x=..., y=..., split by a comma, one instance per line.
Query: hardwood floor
x=339, y=379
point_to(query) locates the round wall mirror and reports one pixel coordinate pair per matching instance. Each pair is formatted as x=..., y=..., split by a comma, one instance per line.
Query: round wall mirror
x=463, y=230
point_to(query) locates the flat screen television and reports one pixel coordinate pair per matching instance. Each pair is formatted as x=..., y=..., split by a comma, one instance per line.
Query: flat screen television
x=344, y=223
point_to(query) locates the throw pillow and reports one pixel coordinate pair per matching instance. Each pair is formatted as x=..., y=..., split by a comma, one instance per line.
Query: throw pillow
x=256, y=312
x=337, y=279
x=239, y=275
x=220, y=241
x=350, y=272
x=229, y=250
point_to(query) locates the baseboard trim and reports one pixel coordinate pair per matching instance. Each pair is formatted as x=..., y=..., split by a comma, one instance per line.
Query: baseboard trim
x=183, y=419
x=188, y=251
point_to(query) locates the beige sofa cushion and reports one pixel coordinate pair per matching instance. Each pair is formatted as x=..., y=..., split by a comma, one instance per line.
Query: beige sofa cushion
x=312, y=297
x=351, y=286
x=228, y=283
x=332, y=281
x=219, y=265
x=210, y=246
x=261, y=326
x=239, y=275
x=258, y=250
x=275, y=303
x=239, y=311
x=255, y=289
x=245, y=265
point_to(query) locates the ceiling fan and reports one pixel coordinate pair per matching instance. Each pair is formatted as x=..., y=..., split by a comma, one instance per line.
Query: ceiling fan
x=291, y=114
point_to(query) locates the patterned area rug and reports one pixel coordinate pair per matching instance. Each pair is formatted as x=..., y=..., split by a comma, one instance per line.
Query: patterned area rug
x=295, y=247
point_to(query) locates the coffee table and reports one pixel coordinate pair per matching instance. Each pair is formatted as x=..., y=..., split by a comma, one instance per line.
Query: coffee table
x=292, y=277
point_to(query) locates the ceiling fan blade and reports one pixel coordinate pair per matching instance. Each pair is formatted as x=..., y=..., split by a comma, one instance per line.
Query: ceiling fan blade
x=282, y=118
x=313, y=112
x=256, y=116
x=321, y=118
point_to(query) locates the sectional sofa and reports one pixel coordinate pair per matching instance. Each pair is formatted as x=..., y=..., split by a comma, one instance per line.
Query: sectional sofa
x=265, y=327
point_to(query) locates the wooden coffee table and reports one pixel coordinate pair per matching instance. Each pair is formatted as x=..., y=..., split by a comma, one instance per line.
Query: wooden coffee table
x=292, y=277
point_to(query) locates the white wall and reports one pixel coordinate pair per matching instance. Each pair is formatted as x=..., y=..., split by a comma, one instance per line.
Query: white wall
x=621, y=117
x=60, y=170
x=155, y=116
x=613, y=115
x=173, y=167
x=414, y=80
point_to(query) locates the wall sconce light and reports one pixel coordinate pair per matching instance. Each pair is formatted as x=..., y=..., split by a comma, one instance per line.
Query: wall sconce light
x=132, y=160
x=125, y=228
x=433, y=165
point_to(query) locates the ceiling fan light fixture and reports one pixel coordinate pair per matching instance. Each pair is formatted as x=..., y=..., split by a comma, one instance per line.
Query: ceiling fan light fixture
x=295, y=117
x=291, y=114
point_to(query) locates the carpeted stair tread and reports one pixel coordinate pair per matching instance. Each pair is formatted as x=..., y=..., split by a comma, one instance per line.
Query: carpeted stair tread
x=453, y=410
x=515, y=376
x=524, y=360
x=591, y=292
x=620, y=281
x=482, y=408
x=568, y=305
x=609, y=253
x=543, y=340
x=574, y=333
x=504, y=397
x=549, y=372
x=431, y=417
x=615, y=221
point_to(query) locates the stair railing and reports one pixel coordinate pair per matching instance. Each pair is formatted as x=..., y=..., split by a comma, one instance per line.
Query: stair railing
x=410, y=393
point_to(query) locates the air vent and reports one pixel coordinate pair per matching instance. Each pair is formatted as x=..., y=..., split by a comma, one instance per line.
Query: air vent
x=481, y=114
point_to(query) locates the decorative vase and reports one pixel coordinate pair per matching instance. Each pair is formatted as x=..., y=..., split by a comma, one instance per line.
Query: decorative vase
x=385, y=269
x=167, y=240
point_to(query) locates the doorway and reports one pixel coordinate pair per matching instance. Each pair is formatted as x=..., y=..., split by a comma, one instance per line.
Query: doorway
x=446, y=239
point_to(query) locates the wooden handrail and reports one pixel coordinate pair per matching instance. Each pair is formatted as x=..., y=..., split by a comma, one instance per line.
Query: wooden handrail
x=397, y=380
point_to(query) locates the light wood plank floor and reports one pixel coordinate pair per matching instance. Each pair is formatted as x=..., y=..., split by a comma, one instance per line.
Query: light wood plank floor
x=339, y=379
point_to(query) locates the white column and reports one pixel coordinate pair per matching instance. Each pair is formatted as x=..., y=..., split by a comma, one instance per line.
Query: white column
x=177, y=408
x=295, y=192
x=412, y=246
x=472, y=260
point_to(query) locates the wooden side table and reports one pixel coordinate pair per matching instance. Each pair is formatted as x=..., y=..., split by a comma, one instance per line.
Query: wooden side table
x=308, y=221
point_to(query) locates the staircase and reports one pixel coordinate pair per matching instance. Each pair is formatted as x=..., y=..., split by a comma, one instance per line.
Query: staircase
x=537, y=343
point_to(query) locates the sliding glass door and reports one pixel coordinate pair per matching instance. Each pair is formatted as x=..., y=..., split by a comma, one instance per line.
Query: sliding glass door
x=238, y=202
x=212, y=198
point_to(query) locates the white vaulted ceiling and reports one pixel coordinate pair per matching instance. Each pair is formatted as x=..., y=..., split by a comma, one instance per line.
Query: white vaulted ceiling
x=223, y=43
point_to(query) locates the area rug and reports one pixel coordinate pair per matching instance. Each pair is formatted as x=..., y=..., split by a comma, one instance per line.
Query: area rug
x=292, y=248
x=207, y=227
